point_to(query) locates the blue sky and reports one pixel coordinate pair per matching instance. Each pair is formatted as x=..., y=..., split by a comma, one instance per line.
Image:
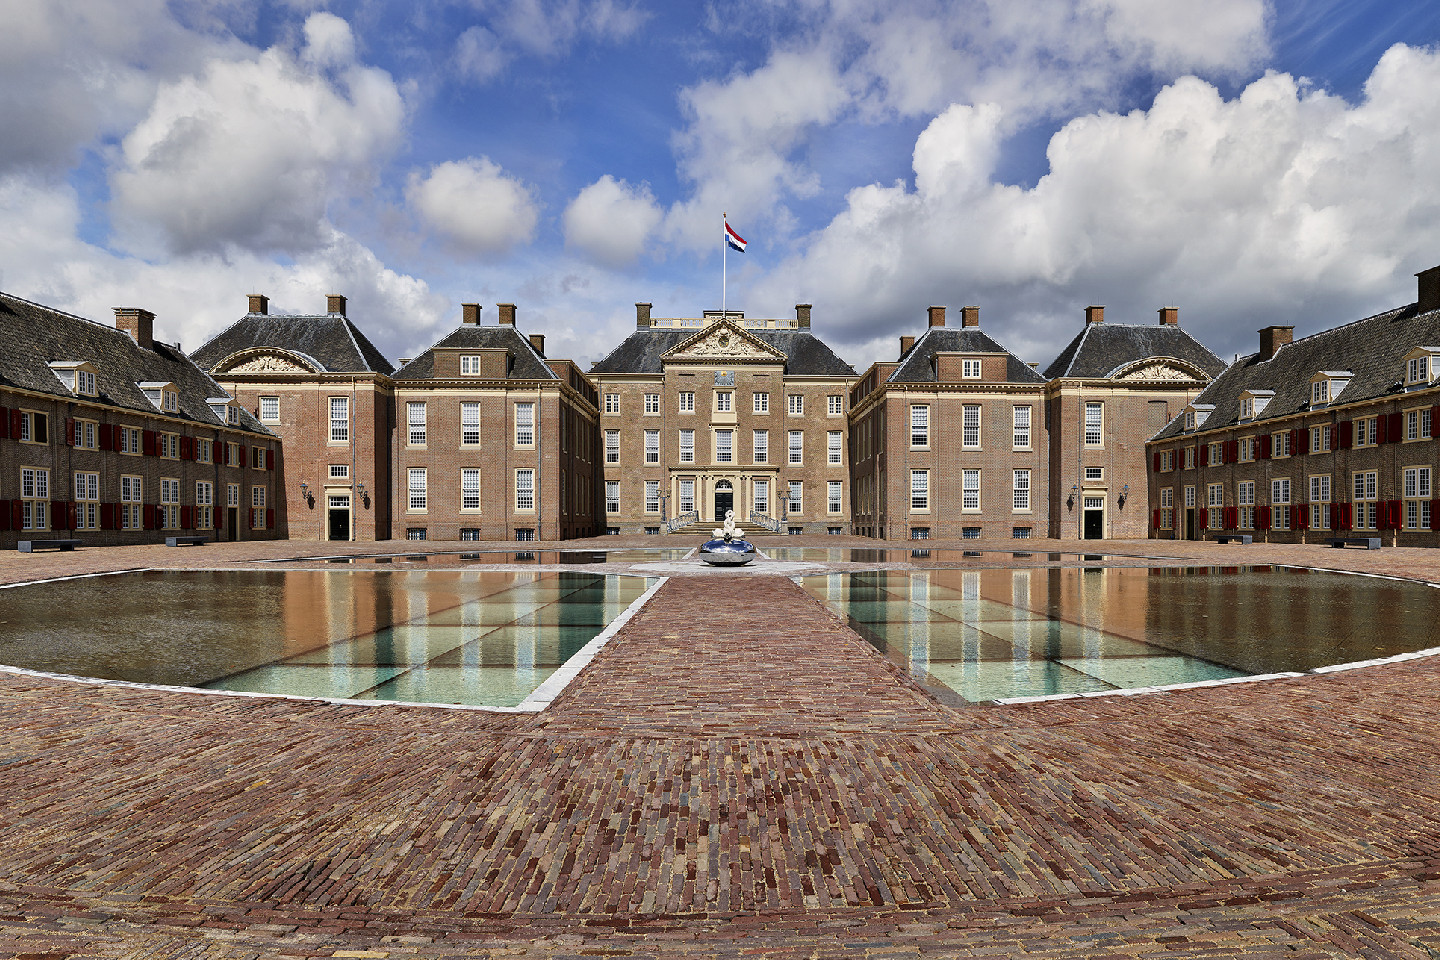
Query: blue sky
x=1248, y=162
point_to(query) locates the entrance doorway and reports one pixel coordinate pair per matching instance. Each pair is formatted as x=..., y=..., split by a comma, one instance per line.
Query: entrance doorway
x=339, y=517
x=724, y=499
x=1190, y=524
x=232, y=524
x=1094, y=528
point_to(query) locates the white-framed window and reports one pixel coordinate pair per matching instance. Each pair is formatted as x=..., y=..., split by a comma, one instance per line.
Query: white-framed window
x=269, y=409
x=35, y=498
x=687, y=401
x=232, y=494
x=415, y=419
x=612, y=403
x=834, y=446
x=204, y=450
x=1417, y=370
x=724, y=401
x=85, y=434
x=1320, y=391
x=612, y=496
x=257, y=457
x=1247, y=449
x=233, y=454
x=1247, y=408
x=470, y=423
x=1280, y=503
x=469, y=488
x=257, y=496
x=1320, y=502
x=417, y=533
x=652, y=403
x=525, y=489
x=1167, y=508
x=1366, y=493
x=169, y=401
x=724, y=446
x=169, y=503
x=652, y=446
x=1020, y=438
x=687, y=446
x=1094, y=474
x=1367, y=433
x=1189, y=497
x=795, y=404
x=1417, y=498
x=339, y=471
x=1189, y=458
x=652, y=496
x=1215, y=502
x=796, y=497
x=132, y=515
x=920, y=490
x=1021, y=491
x=339, y=419
x=35, y=427
x=418, y=489
x=687, y=495
x=232, y=415
x=1417, y=424
x=834, y=495
x=970, y=490
x=1095, y=423
x=1214, y=454
x=762, y=496
x=525, y=424
x=612, y=446
x=761, y=446
x=796, y=446
x=760, y=402
x=85, y=383
x=970, y=426
x=1320, y=439
x=87, y=500
x=1280, y=444
x=834, y=405
x=970, y=369
x=204, y=505
x=469, y=364
x=919, y=425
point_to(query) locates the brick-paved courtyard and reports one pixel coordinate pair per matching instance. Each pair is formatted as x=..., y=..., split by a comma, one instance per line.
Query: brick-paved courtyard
x=736, y=773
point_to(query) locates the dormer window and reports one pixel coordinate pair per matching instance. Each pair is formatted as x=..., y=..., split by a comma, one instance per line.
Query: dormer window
x=1254, y=402
x=78, y=376
x=225, y=409
x=1196, y=414
x=1420, y=367
x=1326, y=385
x=970, y=369
x=163, y=394
x=470, y=365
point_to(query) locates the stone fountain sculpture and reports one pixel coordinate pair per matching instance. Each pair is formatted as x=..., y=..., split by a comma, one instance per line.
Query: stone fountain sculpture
x=728, y=549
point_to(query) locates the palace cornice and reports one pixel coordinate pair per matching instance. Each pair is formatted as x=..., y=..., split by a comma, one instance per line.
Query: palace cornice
x=90, y=404
x=1272, y=424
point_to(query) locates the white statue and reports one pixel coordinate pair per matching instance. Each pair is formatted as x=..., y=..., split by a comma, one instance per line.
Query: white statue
x=727, y=532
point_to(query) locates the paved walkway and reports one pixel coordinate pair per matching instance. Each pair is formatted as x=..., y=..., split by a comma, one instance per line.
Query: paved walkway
x=727, y=778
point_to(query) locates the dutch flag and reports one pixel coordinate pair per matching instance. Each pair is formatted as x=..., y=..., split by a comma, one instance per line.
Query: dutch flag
x=737, y=242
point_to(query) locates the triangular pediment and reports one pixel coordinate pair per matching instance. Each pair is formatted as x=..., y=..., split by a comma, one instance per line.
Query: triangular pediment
x=723, y=342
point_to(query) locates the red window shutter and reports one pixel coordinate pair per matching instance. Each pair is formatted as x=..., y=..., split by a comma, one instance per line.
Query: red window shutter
x=1397, y=429
x=107, y=516
x=1234, y=522
x=187, y=517
x=1262, y=521
x=1434, y=511
x=1347, y=435
x=1397, y=511
x=4, y=422
x=1265, y=447
x=1155, y=523
x=1330, y=437
x=147, y=443
x=270, y=518
x=150, y=516
x=4, y=515
x=15, y=428
x=1157, y=465
x=74, y=510
x=70, y=431
x=269, y=459
x=1347, y=516
x=105, y=443
x=1299, y=441
x=17, y=515
x=219, y=518
x=1435, y=420
x=1204, y=518
x=1302, y=516
x=1335, y=516
x=1232, y=451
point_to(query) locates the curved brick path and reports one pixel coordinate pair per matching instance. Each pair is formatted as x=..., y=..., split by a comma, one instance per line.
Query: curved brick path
x=766, y=784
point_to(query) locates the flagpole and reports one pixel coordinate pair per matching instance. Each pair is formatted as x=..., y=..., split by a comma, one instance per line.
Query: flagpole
x=724, y=263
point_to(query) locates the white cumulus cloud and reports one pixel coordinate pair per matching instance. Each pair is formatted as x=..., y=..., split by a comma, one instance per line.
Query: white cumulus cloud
x=474, y=204
x=610, y=221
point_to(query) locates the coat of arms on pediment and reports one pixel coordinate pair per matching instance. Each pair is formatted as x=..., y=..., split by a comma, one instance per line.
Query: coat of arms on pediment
x=723, y=341
x=1155, y=370
x=267, y=361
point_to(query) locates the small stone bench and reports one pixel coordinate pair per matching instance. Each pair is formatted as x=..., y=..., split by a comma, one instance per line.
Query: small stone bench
x=1236, y=537
x=193, y=541
x=30, y=546
x=1369, y=543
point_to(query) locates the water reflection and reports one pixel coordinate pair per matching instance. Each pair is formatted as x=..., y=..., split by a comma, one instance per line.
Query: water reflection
x=463, y=636
x=977, y=635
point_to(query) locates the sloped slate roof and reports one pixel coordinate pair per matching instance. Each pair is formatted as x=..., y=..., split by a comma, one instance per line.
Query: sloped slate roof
x=528, y=363
x=1100, y=348
x=1373, y=349
x=36, y=336
x=917, y=368
x=806, y=354
x=331, y=339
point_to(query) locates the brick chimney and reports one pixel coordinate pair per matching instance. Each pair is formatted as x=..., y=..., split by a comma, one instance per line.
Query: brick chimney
x=642, y=316
x=1429, y=290
x=537, y=340
x=1094, y=315
x=1273, y=338
x=906, y=343
x=969, y=316
x=507, y=314
x=259, y=303
x=335, y=303
x=1169, y=317
x=802, y=315
x=140, y=324
x=470, y=313
x=937, y=316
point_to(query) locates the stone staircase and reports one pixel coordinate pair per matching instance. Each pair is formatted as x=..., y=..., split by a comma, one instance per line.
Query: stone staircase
x=706, y=528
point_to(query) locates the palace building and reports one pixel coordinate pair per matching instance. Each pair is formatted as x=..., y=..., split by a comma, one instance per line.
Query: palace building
x=1331, y=435
x=109, y=436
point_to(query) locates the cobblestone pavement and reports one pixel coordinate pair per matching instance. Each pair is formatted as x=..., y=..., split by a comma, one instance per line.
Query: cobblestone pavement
x=736, y=774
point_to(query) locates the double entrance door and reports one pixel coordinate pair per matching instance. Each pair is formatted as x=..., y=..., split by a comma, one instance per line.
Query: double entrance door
x=724, y=499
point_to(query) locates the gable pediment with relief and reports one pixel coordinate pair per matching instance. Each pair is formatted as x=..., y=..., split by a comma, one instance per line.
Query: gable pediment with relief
x=723, y=342
x=267, y=361
x=1159, y=370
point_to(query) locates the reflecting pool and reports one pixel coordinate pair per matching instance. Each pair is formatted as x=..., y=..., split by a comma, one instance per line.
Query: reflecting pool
x=484, y=638
x=979, y=635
